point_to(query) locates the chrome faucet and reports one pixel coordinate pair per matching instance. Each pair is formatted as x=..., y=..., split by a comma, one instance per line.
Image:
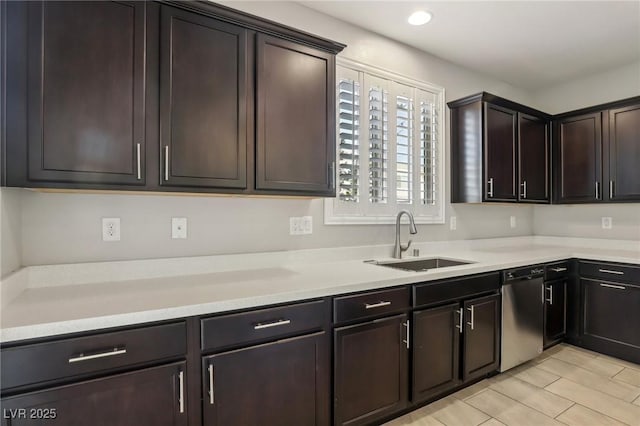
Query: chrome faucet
x=399, y=248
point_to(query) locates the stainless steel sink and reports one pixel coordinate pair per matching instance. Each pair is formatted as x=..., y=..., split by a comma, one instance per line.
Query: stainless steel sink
x=421, y=264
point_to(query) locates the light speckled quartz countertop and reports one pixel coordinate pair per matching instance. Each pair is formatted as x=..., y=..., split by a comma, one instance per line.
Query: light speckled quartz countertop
x=41, y=301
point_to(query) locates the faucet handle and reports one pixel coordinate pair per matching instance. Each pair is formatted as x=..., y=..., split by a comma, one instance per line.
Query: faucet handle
x=405, y=248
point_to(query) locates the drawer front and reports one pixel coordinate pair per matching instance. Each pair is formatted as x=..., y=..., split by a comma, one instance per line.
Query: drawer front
x=610, y=271
x=455, y=289
x=63, y=359
x=557, y=270
x=370, y=304
x=255, y=326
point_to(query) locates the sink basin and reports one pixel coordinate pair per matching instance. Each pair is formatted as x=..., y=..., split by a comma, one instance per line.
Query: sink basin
x=422, y=264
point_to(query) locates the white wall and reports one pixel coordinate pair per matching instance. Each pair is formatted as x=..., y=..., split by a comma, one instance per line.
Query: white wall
x=61, y=228
x=10, y=230
x=612, y=85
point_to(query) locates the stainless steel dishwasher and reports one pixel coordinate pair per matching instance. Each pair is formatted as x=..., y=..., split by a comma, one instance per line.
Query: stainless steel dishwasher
x=522, y=315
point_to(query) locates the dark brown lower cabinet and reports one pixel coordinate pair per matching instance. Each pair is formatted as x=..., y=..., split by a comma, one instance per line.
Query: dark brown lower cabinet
x=436, y=351
x=153, y=396
x=481, y=336
x=371, y=374
x=280, y=383
x=555, y=311
x=611, y=318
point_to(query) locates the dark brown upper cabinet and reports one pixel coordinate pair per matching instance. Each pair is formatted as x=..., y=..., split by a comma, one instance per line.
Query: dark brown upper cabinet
x=624, y=153
x=295, y=125
x=171, y=96
x=578, y=158
x=86, y=92
x=597, y=152
x=203, y=101
x=499, y=151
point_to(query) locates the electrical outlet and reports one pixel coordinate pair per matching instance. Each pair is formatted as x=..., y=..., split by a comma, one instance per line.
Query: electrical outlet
x=512, y=221
x=179, y=227
x=453, y=223
x=300, y=225
x=607, y=222
x=110, y=229
x=307, y=225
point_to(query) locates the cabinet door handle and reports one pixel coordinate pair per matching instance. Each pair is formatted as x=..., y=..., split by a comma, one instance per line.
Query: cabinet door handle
x=558, y=269
x=617, y=287
x=211, y=391
x=332, y=174
x=260, y=326
x=524, y=189
x=609, y=271
x=460, y=313
x=550, y=290
x=138, y=160
x=611, y=193
x=472, y=321
x=166, y=162
x=181, y=396
x=490, y=193
x=376, y=305
x=597, y=190
x=112, y=352
x=407, y=324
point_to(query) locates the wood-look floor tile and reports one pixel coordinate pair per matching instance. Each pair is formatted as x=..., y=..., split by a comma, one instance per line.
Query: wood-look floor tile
x=472, y=390
x=630, y=376
x=459, y=413
x=627, y=364
x=536, y=376
x=508, y=411
x=420, y=417
x=532, y=396
x=594, y=364
x=583, y=416
x=493, y=422
x=605, y=404
x=637, y=401
x=592, y=380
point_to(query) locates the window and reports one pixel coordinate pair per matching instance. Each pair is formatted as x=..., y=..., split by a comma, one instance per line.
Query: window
x=390, y=148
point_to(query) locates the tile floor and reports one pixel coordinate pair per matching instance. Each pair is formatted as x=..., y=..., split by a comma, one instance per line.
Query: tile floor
x=565, y=385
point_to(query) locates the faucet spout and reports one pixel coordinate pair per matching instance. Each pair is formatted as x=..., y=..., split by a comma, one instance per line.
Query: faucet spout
x=399, y=247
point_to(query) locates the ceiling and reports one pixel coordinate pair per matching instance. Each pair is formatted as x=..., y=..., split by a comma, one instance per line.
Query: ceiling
x=530, y=44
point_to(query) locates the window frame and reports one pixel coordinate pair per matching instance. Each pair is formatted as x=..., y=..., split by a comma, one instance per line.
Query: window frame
x=364, y=212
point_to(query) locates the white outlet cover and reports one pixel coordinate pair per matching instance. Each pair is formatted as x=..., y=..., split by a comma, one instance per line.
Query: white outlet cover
x=307, y=224
x=453, y=223
x=294, y=226
x=179, y=227
x=512, y=221
x=607, y=222
x=110, y=229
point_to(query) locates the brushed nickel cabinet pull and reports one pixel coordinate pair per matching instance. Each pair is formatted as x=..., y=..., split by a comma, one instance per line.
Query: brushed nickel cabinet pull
x=406, y=324
x=376, y=305
x=609, y=271
x=138, y=161
x=524, y=189
x=166, y=162
x=617, y=287
x=181, y=396
x=611, y=193
x=558, y=269
x=550, y=299
x=112, y=352
x=211, y=392
x=490, y=192
x=472, y=321
x=460, y=313
x=597, y=190
x=260, y=326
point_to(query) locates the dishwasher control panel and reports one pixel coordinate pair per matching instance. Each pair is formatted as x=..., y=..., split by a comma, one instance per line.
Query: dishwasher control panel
x=526, y=272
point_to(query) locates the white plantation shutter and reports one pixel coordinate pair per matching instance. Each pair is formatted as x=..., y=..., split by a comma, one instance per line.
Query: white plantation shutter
x=390, y=148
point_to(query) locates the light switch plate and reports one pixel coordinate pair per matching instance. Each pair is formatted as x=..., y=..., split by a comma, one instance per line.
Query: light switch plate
x=110, y=229
x=512, y=221
x=453, y=223
x=607, y=222
x=179, y=227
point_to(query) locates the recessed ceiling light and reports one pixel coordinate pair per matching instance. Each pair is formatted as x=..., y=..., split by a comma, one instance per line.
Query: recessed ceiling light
x=419, y=18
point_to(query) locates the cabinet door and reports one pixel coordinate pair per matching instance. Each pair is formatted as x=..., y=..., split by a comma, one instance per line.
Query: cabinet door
x=370, y=364
x=533, y=158
x=295, y=124
x=500, y=153
x=280, y=383
x=578, y=159
x=203, y=138
x=624, y=153
x=481, y=346
x=153, y=397
x=436, y=351
x=555, y=311
x=86, y=97
x=611, y=318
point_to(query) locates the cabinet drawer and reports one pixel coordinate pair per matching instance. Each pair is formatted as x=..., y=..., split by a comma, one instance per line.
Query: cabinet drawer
x=374, y=303
x=44, y=362
x=610, y=271
x=455, y=289
x=255, y=326
x=557, y=270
